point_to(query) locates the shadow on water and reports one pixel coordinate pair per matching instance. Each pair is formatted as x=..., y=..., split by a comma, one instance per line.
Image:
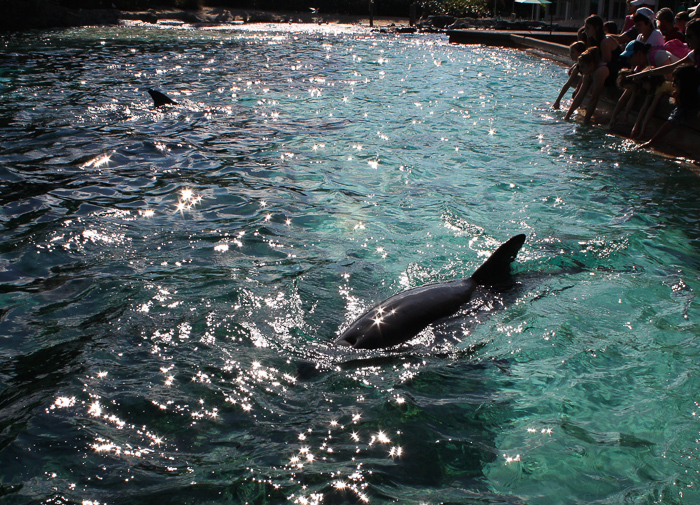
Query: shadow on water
x=34, y=379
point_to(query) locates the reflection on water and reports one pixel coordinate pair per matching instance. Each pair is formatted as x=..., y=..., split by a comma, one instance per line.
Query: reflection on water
x=172, y=280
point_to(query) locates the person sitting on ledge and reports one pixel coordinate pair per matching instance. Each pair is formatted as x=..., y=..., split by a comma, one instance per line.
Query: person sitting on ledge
x=632, y=6
x=686, y=81
x=682, y=19
x=596, y=36
x=654, y=88
x=581, y=35
x=610, y=28
x=575, y=50
x=595, y=72
x=630, y=90
x=640, y=56
x=666, y=22
x=644, y=23
x=692, y=36
x=629, y=32
x=609, y=48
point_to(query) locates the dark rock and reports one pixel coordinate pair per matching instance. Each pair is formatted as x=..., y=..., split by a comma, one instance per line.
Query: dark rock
x=461, y=23
x=193, y=17
x=150, y=17
x=224, y=17
x=441, y=21
x=260, y=17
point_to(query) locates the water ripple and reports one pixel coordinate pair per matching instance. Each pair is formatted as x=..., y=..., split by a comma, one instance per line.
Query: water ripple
x=172, y=280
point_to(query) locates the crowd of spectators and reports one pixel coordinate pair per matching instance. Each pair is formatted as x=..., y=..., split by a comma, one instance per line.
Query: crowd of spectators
x=653, y=59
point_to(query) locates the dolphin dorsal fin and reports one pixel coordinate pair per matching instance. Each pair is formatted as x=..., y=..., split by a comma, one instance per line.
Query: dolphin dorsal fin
x=160, y=99
x=496, y=269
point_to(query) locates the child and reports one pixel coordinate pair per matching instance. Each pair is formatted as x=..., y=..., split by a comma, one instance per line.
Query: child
x=654, y=87
x=631, y=89
x=575, y=50
x=686, y=80
x=692, y=35
x=595, y=72
x=682, y=19
x=610, y=28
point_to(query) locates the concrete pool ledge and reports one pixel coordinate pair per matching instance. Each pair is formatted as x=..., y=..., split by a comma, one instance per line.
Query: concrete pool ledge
x=550, y=41
x=681, y=142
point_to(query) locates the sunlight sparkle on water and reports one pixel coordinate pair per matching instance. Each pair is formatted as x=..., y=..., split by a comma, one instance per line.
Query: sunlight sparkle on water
x=99, y=161
x=95, y=409
x=188, y=199
x=63, y=402
x=396, y=452
x=380, y=437
x=511, y=459
x=186, y=194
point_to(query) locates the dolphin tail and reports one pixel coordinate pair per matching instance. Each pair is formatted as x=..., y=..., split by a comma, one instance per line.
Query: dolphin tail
x=496, y=269
x=160, y=99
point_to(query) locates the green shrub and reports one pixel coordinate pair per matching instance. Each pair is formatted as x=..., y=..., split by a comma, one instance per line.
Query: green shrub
x=457, y=8
x=189, y=4
x=131, y=5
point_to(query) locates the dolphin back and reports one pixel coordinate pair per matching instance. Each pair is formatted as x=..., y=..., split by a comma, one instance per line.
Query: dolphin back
x=496, y=269
x=402, y=316
x=160, y=99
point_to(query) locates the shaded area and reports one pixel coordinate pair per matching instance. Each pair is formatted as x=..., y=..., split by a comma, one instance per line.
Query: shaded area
x=43, y=14
x=33, y=381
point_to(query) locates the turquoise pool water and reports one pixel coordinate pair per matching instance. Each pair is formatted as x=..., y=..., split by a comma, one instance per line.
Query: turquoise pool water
x=163, y=273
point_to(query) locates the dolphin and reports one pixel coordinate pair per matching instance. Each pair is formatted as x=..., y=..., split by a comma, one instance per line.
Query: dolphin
x=159, y=99
x=404, y=315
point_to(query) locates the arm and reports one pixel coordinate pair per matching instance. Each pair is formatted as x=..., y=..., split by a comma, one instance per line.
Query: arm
x=580, y=93
x=663, y=59
x=650, y=112
x=665, y=128
x=665, y=69
x=630, y=104
x=599, y=77
x=624, y=98
x=572, y=79
x=578, y=88
x=641, y=117
x=622, y=39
